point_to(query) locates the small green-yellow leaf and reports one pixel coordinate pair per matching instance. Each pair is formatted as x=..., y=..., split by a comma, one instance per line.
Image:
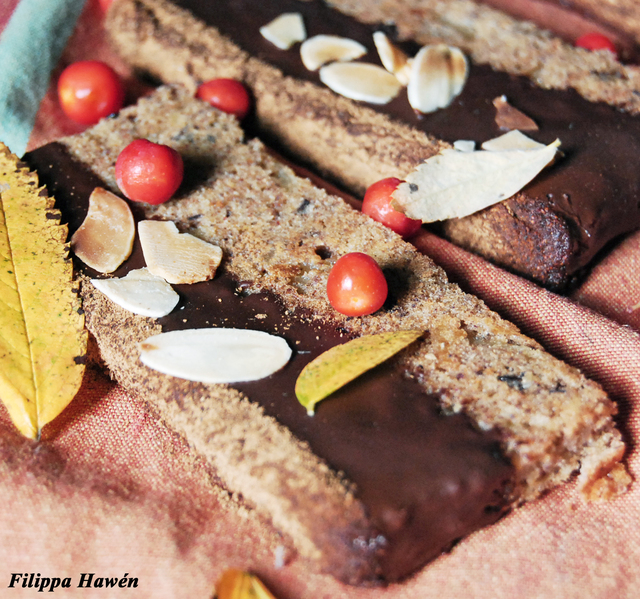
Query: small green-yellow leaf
x=343, y=363
x=236, y=584
x=42, y=335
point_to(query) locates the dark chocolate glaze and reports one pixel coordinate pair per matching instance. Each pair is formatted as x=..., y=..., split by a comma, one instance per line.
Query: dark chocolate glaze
x=595, y=186
x=425, y=479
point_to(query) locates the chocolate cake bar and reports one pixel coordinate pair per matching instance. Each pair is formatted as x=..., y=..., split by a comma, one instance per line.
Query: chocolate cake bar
x=549, y=232
x=400, y=464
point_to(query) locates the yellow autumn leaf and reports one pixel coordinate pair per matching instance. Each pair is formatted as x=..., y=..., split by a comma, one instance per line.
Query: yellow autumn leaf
x=42, y=335
x=236, y=584
x=343, y=363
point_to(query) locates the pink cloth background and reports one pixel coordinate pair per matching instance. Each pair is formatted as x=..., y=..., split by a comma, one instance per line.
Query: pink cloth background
x=110, y=490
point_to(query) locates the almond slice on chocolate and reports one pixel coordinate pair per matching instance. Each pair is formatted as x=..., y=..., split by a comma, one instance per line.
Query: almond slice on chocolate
x=140, y=292
x=393, y=59
x=361, y=81
x=464, y=145
x=438, y=75
x=215, y=355
x=105, y=238
x=285, y=30
x=177, y=257
x=321, y=49
x=509, y=118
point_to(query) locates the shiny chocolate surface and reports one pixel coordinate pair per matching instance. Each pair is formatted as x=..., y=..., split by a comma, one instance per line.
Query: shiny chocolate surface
x=596, y=184
x=425, y=479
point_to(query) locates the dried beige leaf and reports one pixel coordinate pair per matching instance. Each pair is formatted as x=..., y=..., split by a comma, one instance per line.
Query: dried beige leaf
x=321, y=49
x=438, y=74
x=509, y=118
x=343, y=363
x=140, y=292
x=455, y=184
x=215, y=355
x=105, y=238
x=361, y=81
x=513, y=140
x=177, y=257
x=236, y=584
x=393, y=59
x=285, y=30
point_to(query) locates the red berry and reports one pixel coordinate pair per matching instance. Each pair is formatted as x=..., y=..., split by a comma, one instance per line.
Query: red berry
x=149, y=172
x=377, y=205
x=227, y=95
x=596, y=41
x=356, y=285
x=90, y=90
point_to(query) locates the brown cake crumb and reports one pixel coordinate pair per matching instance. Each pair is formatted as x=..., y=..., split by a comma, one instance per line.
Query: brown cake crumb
x=282, y=234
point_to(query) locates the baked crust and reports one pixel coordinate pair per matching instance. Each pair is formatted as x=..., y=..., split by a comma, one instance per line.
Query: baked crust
x=552, y=421
x=355, y=146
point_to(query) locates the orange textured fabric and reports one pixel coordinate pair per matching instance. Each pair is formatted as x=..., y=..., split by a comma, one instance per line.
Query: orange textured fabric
x=110, y=491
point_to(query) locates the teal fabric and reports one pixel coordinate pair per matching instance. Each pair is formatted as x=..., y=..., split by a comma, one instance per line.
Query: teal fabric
x=30, y=47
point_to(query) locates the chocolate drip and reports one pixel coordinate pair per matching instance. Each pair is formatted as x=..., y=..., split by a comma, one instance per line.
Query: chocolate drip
x=595, y=186
x=426, y=479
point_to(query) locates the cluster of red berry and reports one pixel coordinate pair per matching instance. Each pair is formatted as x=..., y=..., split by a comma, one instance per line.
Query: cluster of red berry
x=149, y=172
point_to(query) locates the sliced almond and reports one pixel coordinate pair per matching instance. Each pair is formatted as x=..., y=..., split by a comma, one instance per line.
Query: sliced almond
x=140, y=292
x=464, y=145
x=105, y=239
x=321, y=49
x=509, y=118
x=514, y=140
x=438, y=75
x=393, y=59
x=215, y=355
x=177, y=257
x=361, y=81
x=285, y=30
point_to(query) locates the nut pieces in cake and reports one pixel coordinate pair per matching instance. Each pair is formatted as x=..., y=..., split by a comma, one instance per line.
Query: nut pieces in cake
x=179, y=258
x=140, y=292
x=361, y=81
x=322, y=49
x=105, y=238
x=216, y=355
x=285, y=30
x=438, y=75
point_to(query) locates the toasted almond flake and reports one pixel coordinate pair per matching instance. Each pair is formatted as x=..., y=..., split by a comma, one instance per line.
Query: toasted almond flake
x=215, y=355
x=455, y=184
x=321, y=49
x=509, y=118
x=177, y=257
x=393, y=59
x=140, y=292
x=285, y=30
x=361, y=81
x=438, y=75
x=464, y=145
x=105, y=238
x=513, y=140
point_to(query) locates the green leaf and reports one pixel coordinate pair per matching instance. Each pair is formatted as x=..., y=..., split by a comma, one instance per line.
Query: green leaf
x=343, y=363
